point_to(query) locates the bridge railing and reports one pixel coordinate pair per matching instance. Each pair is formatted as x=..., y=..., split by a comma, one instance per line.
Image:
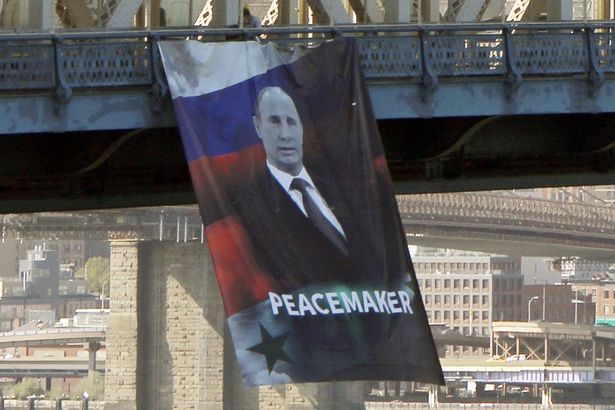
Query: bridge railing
x=63, y=61
x=499, y=209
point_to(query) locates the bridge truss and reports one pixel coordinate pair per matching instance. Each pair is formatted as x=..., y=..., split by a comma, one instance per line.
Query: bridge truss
x=84, y=14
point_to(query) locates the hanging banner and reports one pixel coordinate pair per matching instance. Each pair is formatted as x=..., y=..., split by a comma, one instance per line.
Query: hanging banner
x=299, y=213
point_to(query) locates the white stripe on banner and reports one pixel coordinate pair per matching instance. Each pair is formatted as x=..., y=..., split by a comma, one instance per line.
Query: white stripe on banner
x=194, y=68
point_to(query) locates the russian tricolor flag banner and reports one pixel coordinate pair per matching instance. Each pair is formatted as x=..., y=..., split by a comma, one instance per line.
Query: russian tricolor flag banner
x=299, y=213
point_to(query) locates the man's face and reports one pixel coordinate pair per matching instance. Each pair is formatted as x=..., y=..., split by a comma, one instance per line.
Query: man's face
x=281, y=130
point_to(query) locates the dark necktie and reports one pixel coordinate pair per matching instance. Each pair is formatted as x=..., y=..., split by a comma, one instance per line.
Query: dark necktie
x=317, y=217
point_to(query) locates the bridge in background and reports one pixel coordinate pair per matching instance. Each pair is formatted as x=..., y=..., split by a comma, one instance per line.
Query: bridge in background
x=505, y=224
x=485, y=222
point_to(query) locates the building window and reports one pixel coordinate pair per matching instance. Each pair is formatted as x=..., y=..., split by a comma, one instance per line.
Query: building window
x=437, y=299
x=456, y=283
x=428, y=283
x=485, y=283
x=428, y=299
x=447, y=299
x=466, y=315
x=475, y=315
x=606, y=310
x=447, y=283
x=475, y=300
x=437, y=283
x=456, y=315
x=466, y=283
x=456, y=299
x=606, y=294
x=447, y=315
x=485, y=315
x=475, y=284
x=437, y=315
x=485, y=300
x=466, y=299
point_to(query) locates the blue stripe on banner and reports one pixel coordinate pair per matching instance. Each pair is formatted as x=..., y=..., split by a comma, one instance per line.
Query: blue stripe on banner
x=220, y=123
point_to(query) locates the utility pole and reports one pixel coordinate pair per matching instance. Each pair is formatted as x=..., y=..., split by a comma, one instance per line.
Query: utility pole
x=544, y=305
x=529, y=307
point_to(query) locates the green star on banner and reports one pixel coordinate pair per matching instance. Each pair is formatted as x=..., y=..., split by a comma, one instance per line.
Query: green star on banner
x=271, y=347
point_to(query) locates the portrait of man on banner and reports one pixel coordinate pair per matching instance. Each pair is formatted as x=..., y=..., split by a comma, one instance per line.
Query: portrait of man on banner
x=300, y=217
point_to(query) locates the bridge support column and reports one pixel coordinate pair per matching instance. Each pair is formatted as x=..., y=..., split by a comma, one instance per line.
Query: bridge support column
x=433, y=395
x=181, y=333
x=546, y=397
x=559, y=10
x=289, y=12
x=93, y=347
x=225, y=13
x=430, y=11
x=397, y=11
x=594, y=359
x=121, y=337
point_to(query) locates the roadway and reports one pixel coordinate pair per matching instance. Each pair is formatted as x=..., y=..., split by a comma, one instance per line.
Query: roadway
x=523, y=372
x=47, y=367
x=51, y=336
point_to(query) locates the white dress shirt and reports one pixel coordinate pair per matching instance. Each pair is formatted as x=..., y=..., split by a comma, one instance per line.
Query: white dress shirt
x=285, y=179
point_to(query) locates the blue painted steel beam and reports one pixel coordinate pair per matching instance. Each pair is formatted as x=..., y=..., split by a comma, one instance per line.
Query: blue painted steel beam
x=71, y=81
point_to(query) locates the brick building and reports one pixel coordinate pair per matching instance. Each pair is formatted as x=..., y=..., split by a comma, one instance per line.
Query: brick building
x=602, y=294
x=557, y=303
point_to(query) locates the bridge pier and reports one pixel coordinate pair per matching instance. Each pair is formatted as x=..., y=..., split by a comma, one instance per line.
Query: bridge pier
x=121, y=337
x=546, y=397
x=433, y=395
x=93, y=347
x=167, y=343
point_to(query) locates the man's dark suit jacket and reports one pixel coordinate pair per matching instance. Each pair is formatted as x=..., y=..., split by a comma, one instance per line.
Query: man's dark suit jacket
x=286, y=244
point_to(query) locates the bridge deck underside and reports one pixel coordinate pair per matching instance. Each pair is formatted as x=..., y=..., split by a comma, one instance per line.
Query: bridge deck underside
x=459, y=108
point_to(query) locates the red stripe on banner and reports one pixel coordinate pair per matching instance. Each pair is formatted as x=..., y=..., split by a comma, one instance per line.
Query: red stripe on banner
x=230, y=168
x=212, y=177
x=242, y=282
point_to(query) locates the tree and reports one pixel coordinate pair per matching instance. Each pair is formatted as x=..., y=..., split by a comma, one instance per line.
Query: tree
x=27, y=388
x=97, y=271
